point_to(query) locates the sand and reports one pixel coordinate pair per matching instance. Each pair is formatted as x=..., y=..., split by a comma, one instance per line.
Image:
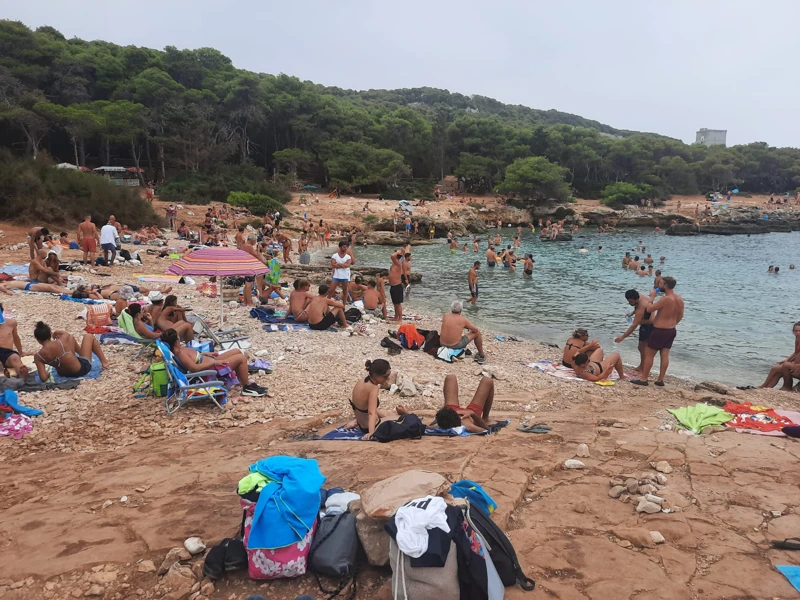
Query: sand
x=67, y=533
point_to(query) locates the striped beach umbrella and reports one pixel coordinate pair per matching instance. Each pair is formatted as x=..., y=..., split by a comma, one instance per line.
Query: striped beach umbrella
x=218, y=262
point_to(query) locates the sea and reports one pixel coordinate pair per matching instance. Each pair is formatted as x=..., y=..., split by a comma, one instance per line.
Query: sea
x=738, y=319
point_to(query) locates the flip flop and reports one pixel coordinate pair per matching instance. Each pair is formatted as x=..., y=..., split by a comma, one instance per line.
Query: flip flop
x=787, y=544
x=537, y=428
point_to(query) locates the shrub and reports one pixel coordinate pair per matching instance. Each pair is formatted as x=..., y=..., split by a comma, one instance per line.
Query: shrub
x=370, y=219
x=409, y=190
x=202, y=188
x=36, y=192
x=256, y=203
x=622, y=192
x=255, y=223
x=476, y=206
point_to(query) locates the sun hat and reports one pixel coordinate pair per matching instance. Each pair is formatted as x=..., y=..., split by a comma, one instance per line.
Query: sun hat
x=155, y=296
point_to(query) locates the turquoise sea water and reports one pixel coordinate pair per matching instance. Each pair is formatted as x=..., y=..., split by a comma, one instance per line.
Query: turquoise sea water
x=738, y=319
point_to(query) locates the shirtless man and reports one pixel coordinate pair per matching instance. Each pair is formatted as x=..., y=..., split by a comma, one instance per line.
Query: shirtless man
x=670, y=312
x=239, y=238
x=634, y=264
x=380, y=285
x=299, y=300
x=642, y=272
x=641, y=319
x=372, y=300
x=396, y=285
x=491, y=257
x=527, y=269
x=35, y=239
x=302, y=248
x=39, y=272
x=648, y=260
x=322, y=311
x=452, y=332
x=250, y=247
x=408, y=225
x=475, y=246
x=9, y=339
x=626, y=260
x=658, y=282
x=475, y=416
x=88, y=238
x=472, y=281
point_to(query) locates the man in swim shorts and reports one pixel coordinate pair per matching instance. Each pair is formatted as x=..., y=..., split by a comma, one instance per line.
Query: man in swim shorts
x=396, y=285
x=669, y=311
x=452, y=333
x=472, y=281
x=87, y=239
x=475, y=416
x=491, y=257
x=9, y=339
x=641, y=319
x=36, y=239
x=323, y=311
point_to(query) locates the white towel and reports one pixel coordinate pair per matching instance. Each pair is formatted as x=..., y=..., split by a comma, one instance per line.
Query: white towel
x=413, y=521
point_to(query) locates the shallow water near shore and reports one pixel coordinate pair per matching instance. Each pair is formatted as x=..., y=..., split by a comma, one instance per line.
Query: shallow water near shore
x=738, y=319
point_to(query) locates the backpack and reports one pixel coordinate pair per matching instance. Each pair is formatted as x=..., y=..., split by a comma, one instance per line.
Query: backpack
x=501, y=550
x=352, y=315
x=334, y=552
x=406, y=427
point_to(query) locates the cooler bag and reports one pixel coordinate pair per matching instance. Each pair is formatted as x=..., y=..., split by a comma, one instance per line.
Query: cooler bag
x=275, y=563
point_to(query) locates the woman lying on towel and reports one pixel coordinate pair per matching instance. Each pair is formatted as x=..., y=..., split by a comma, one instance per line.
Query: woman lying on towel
x=194, y=361
x=365, y=402
x=32, y=286
x=61, y=351
x=579, y=342
x=593, y=370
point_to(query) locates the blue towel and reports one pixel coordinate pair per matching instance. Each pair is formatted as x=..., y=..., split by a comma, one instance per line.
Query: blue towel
x=791, y=573
x=10, y=269
x=120, y=338
x=10, y=398
x=81, y=300
x=93, y=374
x=340, y=433
x=475, y=494
x=287, y=507
x=459, y=431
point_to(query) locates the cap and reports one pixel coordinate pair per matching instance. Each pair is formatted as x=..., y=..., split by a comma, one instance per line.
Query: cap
x=155, y=296
x=126, y=292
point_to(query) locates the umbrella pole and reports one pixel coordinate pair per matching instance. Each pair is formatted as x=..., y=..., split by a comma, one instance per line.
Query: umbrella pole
x=221, y=305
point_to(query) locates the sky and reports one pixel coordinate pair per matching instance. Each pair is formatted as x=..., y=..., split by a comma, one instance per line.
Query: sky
x=668, y=67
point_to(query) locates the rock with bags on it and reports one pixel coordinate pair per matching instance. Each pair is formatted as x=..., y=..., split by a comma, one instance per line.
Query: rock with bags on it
x=372, y=535
x=194, y=545
x=383, y=498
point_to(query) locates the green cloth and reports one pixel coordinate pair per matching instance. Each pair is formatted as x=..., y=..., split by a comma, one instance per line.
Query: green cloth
x=125, y=322
x=274, y=275
x=698, y=417
x=253, y=481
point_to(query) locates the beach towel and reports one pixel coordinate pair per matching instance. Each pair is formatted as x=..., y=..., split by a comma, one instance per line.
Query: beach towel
x=698, y=417
x=449, y=354
x=11, y=399
x=81, y=300
x=757, y=418
x=793, y=416
x=119, y=338
x=792, y=573
x=287, y=507
x=355, y=434
x=341, y=433
x=290, y=327
x=15, y=426
x=125, y=321
x=561, y=372
x=157, y=278
x=93, y=374
x=12, y=269
x=268, y=316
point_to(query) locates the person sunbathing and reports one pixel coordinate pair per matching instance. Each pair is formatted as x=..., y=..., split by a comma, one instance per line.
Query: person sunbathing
x=61, y=351
x=322, y=311
x=579, y=342
x=475, y=416
x=365, y=402
x=111, y=291
x=194, y=361
x=142, y=324
x=299, y=300
x=594, y=370
x=32, y=286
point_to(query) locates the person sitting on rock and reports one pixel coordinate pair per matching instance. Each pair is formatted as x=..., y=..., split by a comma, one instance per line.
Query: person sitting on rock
x=475, y=416
x=452, y=332
x=323, y=311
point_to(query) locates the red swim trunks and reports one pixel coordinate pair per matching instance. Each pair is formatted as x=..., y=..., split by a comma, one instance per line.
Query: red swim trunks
x=661, y=339
x=89, y=244
x=476, y=408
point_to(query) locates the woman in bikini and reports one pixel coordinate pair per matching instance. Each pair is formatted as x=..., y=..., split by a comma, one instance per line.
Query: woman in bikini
x=365, y=402
x=593, y=370
x=172, y=316
x=60, y=350
x=192, y=360
x=579, y=342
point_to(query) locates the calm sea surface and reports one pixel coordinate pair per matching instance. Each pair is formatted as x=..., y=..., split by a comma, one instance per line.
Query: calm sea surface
x=738, y=318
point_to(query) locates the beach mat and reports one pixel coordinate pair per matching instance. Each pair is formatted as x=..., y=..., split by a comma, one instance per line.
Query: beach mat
x=12, y=269
x=93, y=374
x=560, y=371
x=149, y=277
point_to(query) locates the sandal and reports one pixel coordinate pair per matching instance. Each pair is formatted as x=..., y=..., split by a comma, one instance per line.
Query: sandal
x=537, y=428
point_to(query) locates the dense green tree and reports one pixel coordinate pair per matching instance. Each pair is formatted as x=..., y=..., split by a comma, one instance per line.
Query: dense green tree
x=620, y=193
x=535, y=178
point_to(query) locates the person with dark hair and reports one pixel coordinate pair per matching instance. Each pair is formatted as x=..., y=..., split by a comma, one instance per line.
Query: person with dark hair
x=88, y=237
x=173, y=316
x=9, y=339
x=239, y=237
x=475, y=416
x=648, y=260
x=634, y=264
x=340, y=263
x=472, y=281
x=142, y=323
x=194, y=361
x=36, y=237
x=323, y=311
x=579, y=342
x=670, y=311
x=527, y=268
x=396, y=285
x=626, y=260
x=299, y=300
x=641, y=319
x=365, y=402
x=406, y=275
x=61, y=351
x=40, y=272
x=788, y=368
x=595, y=370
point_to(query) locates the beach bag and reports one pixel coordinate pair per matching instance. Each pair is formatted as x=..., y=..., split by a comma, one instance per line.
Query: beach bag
x=476, y=495
x=98, y=315
x=423, y=583
x=352, y=315
x=501, y=551
x=275, y=563
x=407, y=427
x=159, y=379
x=334, y=552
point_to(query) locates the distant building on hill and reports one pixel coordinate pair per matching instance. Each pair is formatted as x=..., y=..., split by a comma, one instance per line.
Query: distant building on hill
x=711, y=137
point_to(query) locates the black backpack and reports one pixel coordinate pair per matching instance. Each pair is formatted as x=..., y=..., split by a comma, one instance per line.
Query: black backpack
x=406, y=427
x=501, y=551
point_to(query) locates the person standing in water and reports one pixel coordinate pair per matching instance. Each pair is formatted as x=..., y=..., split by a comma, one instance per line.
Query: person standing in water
x=528, y=267
x=491, y=257
x=670, y=311
x=472, y=280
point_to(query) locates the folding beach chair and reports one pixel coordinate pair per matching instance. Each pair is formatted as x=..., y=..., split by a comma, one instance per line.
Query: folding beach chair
x=188, y=387
x=223, y=340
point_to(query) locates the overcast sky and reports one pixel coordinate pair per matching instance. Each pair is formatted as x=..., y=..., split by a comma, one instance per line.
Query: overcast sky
x=668, y=67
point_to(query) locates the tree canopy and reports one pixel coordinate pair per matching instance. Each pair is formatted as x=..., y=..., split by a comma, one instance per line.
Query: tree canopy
x=192, y=111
